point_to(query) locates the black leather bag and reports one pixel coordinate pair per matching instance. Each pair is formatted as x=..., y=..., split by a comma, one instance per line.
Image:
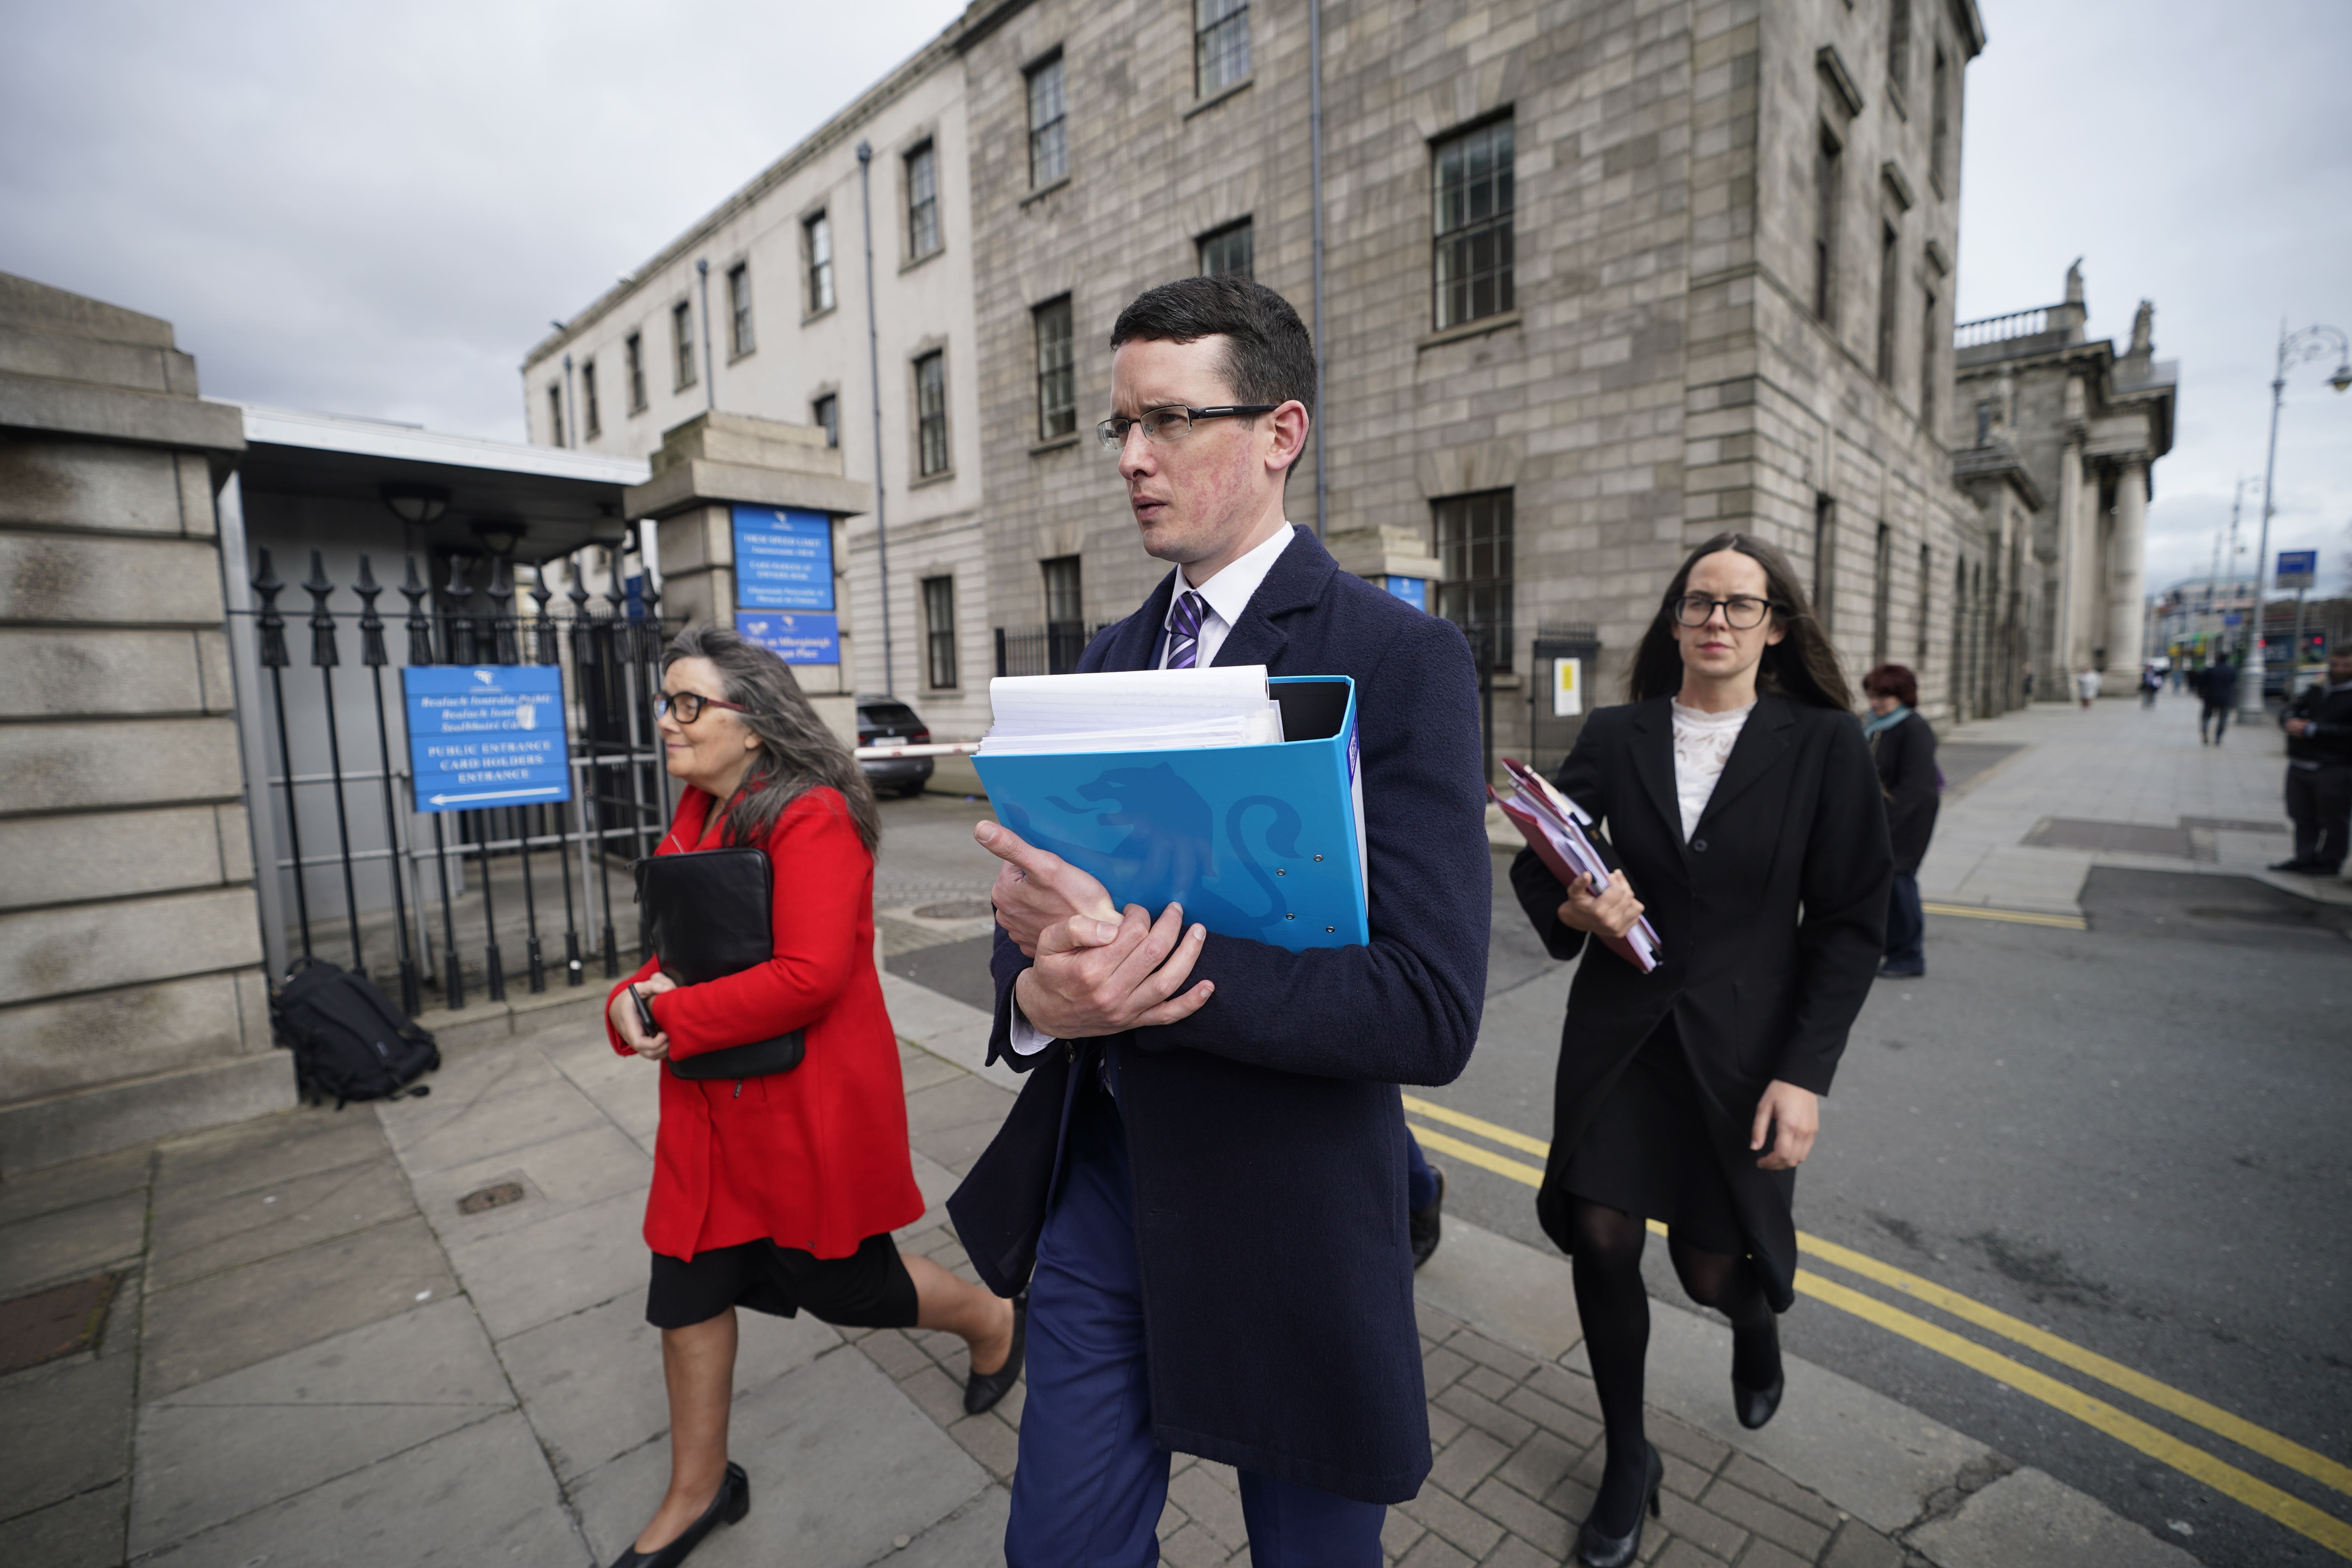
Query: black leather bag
x=708, y=914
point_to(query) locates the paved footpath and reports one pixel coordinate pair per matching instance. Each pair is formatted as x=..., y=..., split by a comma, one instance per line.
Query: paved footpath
x=320, y=1351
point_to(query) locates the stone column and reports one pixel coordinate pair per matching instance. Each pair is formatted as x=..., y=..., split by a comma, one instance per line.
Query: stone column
x=2127, y=612
x=705, y=468
x=132, y=1002
x=2056, y=684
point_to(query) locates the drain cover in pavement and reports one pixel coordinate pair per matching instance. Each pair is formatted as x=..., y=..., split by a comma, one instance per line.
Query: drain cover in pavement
x=54, y=1323
x=957, y=910
x=2122, y=838
x=505, y=1193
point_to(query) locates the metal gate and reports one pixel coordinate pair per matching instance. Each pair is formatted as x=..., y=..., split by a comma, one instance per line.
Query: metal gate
x=436, y=902
x=1551, y=733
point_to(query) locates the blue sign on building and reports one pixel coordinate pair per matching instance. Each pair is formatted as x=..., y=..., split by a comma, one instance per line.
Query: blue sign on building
x=783, y=558
x=1413, y=591
x=2296, y=568
x=482, y=735
x=794, y=638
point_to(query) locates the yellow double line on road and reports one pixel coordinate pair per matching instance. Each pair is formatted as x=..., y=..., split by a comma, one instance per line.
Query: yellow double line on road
x=2297, y=1515
x=2013, y=916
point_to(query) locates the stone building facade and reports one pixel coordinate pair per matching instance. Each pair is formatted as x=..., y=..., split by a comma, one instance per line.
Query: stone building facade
x=1600, y=281
x=785, y=334
x=132, y=1004
x=2083, y=426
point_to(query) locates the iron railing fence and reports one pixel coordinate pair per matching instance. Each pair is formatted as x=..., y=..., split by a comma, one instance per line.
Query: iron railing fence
x=364, y=870
x=1050, y=650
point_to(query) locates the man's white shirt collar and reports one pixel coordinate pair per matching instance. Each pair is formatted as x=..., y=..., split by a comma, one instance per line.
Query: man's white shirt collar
x=1228, y=593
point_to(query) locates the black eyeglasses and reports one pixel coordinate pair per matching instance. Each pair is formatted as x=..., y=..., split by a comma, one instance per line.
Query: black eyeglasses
x=1172, y=422
x=687, y=706
x=1742, y=612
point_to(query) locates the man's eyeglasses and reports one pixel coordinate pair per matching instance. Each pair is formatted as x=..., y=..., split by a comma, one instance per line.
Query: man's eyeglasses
x=687, y=706
x=1742, y=612
x=1172, y=422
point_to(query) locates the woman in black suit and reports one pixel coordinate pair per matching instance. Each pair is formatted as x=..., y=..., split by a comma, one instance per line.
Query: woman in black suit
x=1903, y=748
x=1739, y=798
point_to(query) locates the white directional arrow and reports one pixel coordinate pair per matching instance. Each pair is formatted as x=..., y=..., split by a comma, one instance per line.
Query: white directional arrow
x=494, y=795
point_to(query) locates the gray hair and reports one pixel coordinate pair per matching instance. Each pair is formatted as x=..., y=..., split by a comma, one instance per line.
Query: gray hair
x=797, y=752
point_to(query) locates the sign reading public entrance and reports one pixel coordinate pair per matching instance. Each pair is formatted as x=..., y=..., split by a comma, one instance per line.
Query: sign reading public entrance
x=795, y=639
x=2296, y=568
x=481, y=735
x=783, y=558
x=1567, y=688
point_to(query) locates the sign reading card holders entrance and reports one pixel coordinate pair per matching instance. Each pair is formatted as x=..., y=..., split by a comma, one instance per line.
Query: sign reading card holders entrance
x=783, y=558
x=486, y=735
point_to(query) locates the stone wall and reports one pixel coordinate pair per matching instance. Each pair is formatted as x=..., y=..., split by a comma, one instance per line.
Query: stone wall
x=132, y=1002
x=1662, y=376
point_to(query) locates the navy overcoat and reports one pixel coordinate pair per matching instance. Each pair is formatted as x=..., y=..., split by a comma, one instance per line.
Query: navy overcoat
x=1265, y=1131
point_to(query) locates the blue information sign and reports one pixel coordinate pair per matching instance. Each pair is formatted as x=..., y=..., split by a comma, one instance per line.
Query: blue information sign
x=794, y=638
x=2296, y=568
x=783, y=558
x=486, y=735
x=1413, y=591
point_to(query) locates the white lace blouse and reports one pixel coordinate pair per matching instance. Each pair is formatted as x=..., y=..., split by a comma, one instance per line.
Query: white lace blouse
x=1703, y=743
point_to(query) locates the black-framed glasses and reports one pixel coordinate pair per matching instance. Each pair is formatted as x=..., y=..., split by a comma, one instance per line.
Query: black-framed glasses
x=1741, y=612
x=1172, y=422
x=687, y=706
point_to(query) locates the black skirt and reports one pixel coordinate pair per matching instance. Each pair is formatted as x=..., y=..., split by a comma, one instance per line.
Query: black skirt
x=870, y=1288
x=1648, y=1152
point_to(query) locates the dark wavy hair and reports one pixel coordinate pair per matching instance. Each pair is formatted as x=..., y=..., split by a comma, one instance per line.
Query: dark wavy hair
x=797, y=752
x=1802, y=666
x=1894, y=680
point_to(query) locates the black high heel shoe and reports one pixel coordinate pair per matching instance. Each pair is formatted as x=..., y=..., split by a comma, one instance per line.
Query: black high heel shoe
x=734, y=1501
x=1755, y=1407
x=1594, y=1550
x=982, y=1390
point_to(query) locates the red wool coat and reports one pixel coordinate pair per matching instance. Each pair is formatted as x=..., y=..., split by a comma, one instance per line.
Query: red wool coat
x=814, y=1158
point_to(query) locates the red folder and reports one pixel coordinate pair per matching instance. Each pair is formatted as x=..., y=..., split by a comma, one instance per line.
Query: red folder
x=1553, y=827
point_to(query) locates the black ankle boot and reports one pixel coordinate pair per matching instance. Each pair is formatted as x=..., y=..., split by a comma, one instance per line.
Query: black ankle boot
x=1756, y=1406
x=1594, y=1550
x=734, y=1501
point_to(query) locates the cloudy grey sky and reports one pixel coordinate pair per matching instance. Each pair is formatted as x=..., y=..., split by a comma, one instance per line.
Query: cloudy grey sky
x=376, y=207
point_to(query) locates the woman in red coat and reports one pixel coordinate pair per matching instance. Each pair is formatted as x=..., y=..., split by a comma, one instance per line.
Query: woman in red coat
x=777, y=1193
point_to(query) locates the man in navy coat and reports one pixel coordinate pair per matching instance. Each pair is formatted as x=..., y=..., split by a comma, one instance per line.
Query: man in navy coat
x=1203, y=1182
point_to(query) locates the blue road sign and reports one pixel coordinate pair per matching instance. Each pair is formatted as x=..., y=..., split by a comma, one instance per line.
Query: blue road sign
x=2296, y=568
x=783, y=558
x=1413, y=591
x=794, y=638
x=486, y=735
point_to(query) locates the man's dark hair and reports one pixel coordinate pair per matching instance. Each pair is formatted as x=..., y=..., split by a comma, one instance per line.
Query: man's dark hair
x=1269, y=358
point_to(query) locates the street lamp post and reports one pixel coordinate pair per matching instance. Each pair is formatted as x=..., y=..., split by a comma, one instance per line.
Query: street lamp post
x=2293, y=349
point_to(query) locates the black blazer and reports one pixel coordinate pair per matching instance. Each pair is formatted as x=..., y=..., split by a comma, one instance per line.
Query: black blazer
x=1906, y=758
x=1770, y=920
x=1265, y=1132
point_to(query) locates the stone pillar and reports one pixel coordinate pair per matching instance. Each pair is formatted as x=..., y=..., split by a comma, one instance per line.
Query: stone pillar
x=2127, y=609
x=708, y=465
x=132, y=1002
x=2057, y=683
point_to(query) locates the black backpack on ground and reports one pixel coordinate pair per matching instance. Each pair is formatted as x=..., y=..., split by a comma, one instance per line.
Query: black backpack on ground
x=348, y=1041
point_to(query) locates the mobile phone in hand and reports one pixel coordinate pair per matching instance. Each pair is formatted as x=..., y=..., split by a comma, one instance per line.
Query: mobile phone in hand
x=645, y=1012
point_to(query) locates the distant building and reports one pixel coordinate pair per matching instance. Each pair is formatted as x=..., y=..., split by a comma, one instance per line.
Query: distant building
x=1595, y=289
x=2078, y=428
x=2192, y=618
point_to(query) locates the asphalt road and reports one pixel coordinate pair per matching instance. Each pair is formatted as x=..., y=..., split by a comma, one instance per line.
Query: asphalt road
x=2132, y=1137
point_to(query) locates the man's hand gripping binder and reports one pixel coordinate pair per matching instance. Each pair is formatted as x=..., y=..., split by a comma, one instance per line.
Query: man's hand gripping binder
x=1263, y=842
x=1554, y=828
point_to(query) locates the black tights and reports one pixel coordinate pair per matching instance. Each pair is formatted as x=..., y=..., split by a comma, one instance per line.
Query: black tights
x=1606, y=1245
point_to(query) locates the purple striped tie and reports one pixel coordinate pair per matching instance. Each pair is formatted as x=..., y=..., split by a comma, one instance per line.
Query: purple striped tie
x=1185, y=632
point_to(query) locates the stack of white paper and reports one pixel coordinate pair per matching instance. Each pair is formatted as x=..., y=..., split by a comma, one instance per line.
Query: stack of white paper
x=1133, y=710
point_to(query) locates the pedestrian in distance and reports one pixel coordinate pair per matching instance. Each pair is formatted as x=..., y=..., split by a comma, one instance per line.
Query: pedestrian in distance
x=2319, y=725
x=1903, y=748
x=2086, y=687
x=2151, y=682
x=1204, y=1176
x=1739, y=799
x=777, y=1193
x=2217, y=693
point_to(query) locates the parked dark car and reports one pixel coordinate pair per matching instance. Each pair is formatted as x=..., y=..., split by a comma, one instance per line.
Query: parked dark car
x=886, y=722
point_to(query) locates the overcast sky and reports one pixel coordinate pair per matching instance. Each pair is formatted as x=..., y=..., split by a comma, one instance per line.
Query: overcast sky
x=375, y=208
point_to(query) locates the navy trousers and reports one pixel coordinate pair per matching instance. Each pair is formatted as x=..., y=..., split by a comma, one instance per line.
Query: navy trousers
x=1906, y=924
x=1420, y=1181
x=1091, y=1483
